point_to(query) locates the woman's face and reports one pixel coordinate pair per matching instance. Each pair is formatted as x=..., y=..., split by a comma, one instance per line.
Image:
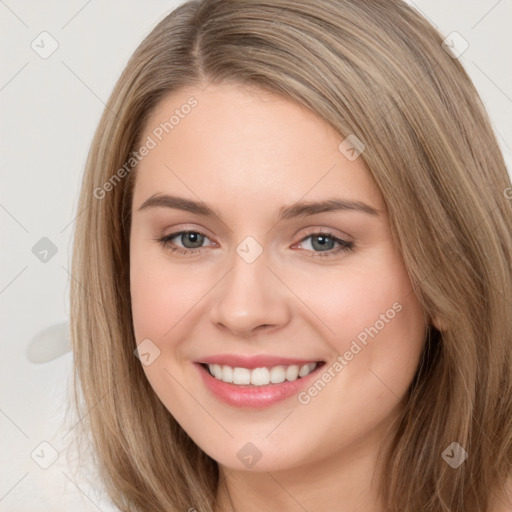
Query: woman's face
x=289, y=260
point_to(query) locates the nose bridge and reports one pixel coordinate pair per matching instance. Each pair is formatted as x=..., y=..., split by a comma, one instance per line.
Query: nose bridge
x=249, y=296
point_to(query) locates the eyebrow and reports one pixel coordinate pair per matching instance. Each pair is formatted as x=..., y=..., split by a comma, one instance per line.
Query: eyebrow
x=301, y=209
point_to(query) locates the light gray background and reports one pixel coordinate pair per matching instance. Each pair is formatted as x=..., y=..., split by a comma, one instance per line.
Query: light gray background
x=49, y=111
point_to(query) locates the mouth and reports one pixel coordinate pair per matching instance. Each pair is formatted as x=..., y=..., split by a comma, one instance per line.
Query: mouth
x=262, y=376
x=258, y=387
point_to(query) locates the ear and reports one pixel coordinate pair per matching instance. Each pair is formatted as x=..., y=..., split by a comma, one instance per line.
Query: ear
x=439, y=323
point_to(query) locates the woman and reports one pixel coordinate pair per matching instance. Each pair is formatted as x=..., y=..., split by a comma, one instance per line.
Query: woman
x=292, y=288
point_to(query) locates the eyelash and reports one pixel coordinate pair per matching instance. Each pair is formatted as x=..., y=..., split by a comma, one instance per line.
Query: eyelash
x=344, y=246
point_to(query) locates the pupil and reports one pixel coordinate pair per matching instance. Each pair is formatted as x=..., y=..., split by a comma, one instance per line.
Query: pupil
x=195, y=238
x=322, y=241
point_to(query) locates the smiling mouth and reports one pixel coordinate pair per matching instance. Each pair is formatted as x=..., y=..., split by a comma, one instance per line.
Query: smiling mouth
x=262, y=376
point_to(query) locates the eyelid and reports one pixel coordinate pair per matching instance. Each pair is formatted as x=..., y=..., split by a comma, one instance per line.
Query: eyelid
x=327, y=231
x=174, y=231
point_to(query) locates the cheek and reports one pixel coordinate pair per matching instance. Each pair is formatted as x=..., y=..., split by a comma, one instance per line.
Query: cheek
x=379, y=332
x=371, y=317
x=351, y=298
x=162, y=294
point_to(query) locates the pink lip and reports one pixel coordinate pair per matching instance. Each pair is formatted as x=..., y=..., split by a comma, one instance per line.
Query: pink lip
x=254, y=397
x=250, y=362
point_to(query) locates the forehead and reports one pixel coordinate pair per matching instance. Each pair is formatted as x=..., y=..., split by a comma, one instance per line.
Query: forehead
x=241, y=145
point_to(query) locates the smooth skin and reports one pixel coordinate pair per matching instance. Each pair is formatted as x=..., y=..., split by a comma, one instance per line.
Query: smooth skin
x=247, y=153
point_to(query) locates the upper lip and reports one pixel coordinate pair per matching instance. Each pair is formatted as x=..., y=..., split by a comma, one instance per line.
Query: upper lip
x=255, y=361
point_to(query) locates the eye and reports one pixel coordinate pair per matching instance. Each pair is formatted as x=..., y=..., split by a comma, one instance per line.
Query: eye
x=191, y=241
x=324, y=243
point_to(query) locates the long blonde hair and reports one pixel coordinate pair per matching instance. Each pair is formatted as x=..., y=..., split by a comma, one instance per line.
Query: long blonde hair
x=375, y=69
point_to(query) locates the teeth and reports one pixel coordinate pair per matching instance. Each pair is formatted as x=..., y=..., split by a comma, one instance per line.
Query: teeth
x=278, y=374
x=292, y=372
x=227, y=373
x=260, y=376
x=240, y=375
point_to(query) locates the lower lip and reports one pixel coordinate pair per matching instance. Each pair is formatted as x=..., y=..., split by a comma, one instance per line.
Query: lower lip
x=254, y=397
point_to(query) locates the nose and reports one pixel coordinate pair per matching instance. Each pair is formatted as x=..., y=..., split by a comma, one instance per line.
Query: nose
x=250, y=299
